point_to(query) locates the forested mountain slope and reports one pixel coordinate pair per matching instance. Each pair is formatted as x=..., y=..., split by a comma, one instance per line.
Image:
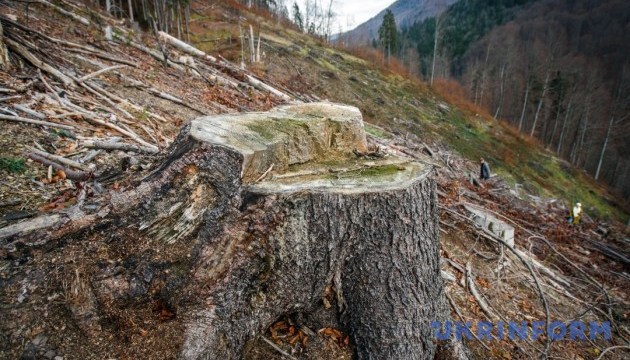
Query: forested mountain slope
x=406, y=13
x=557, y=70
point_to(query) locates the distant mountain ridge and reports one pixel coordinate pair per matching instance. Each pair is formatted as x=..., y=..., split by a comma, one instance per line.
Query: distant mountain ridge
x=406, y=13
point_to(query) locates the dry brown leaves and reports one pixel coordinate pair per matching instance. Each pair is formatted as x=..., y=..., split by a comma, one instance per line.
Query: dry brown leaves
x=335, y=335
x=284, y=332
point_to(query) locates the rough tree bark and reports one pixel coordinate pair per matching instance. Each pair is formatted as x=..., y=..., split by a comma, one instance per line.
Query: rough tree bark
x=222, y=256
x=540, y=104
x=4, y=54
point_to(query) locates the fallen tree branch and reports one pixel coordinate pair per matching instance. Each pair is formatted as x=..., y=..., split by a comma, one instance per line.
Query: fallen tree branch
x=265, y=173
x=36, y=122
x=120, y=146
x=278, y=349
x=524, y=259
x=129, y=133
x=12, y=97
x=174, y=99
x=153, y=53
x=196, y=52
x=25, y=109
x=538, y=286
x=461, y=317
x=41, y=222
x=70, y=174
x=126, y=103
x=584, y=273
x=101, y=71
x=13, y=45
x=470, y=282
x=102, y=56
x=59, y=159
x=74, y=16
x=612, y=348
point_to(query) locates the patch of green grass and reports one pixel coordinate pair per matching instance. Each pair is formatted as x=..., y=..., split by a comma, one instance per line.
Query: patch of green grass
x=384, y=170
x=326, y=65
x=370, y=172
x=12, y=165
x=376, y=132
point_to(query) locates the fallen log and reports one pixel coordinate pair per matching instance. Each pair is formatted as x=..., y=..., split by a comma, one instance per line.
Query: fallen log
x=129, y=133
x=25, y=109
x=36, y=122
x=105, y=145
x=189, y=49
x=101, y=71
x=100, y=55
x=59, y=159
x=609, y=252
x=63, y=11
x=35, y=61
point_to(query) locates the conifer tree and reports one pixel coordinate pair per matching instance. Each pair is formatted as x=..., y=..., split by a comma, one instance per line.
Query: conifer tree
x=387, y=35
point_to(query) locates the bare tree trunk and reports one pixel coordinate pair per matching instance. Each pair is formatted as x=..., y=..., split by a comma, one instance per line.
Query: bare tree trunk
x=144, y=10
x=501, y=91
x=179, y=20
x=435, y=46
x=241, y=36
x=564, y=125
x=130, y=3
x=4, y=54
x=483, y=74
x=258, y=49
x=252, y=49
x=187, y=14
x=584, y=130
x=611, y=124
x=108, y=6
x=575, y=142
x=520, y=121
x=555, y=126
x=540, y=104
x=601, y=155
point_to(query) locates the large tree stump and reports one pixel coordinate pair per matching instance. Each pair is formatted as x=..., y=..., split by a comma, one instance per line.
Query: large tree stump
x=224, y=246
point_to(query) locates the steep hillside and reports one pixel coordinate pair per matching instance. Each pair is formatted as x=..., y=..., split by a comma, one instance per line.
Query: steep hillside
x=408, y=108
x=107, y=279
x=406, y=13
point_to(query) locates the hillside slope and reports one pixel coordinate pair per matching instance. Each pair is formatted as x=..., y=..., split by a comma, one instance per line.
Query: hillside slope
x=582, y=269
x=555, y=69
x=408, y=108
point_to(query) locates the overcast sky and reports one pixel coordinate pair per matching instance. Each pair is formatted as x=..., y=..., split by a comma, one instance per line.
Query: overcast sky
x=351, y=13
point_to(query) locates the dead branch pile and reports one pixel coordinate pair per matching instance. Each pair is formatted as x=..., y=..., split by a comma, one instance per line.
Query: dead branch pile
x=133, y=87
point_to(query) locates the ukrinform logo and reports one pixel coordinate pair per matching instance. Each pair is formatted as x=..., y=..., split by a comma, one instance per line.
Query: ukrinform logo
x=523, y=330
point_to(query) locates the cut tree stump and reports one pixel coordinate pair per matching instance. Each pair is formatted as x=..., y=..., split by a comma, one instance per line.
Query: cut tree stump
x=220, y=256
